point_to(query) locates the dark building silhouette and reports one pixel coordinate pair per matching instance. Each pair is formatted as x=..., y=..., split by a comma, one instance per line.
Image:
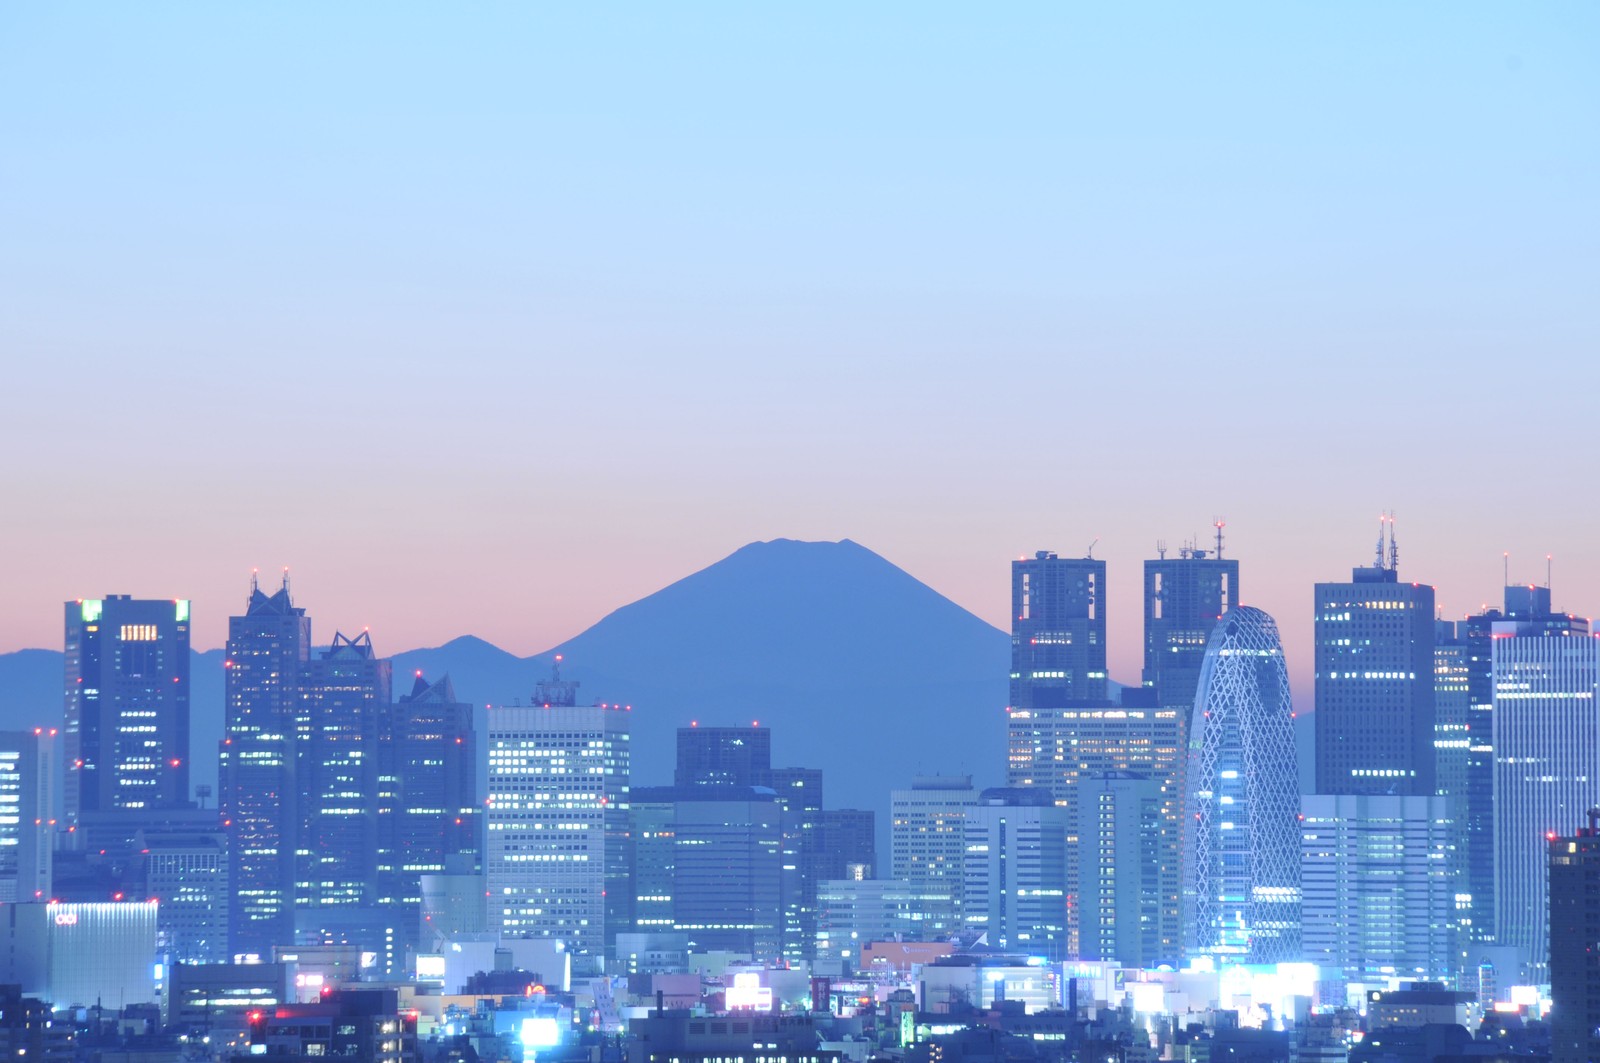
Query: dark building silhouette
x=126, y=704
x=1575, y=944
x=1375, y=682
x=1183, y=599
x=723, y=756
x=267, y=648
x=342, y=714
x=1058, y=631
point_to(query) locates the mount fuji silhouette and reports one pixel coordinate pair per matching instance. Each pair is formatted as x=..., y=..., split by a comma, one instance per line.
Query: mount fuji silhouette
x=857, y=667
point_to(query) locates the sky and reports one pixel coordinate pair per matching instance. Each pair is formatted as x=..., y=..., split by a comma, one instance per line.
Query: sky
x=492, y=319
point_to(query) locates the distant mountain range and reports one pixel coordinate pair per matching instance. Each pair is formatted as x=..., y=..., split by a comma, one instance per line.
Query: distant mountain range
x=858, y=668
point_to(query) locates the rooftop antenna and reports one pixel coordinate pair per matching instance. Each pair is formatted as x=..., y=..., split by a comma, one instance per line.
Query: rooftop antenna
x=1394, y=546
x=1506, y=562
x=1219, y=524
x=286, y=579
x=254, y=584
x=1549, y=560
x=1161, y=549
x=1379, y=562
x=1090, y=554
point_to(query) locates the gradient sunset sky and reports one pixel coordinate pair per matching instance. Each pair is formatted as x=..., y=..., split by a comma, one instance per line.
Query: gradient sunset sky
x=492, y=318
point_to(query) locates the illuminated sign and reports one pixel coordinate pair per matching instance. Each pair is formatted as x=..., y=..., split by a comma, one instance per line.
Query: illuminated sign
x=66, y=919
x=540, y=1033
x=748, y=992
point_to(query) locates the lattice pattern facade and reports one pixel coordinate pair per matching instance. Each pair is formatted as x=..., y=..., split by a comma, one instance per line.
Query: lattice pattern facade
x=1244, y=798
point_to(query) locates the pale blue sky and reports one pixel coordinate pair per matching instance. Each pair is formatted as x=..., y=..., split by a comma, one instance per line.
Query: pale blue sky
x=534, y=309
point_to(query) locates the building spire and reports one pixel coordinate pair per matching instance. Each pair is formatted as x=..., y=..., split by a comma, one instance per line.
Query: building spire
x=1394, y=546
x=1219, y=524
x=1378, y=561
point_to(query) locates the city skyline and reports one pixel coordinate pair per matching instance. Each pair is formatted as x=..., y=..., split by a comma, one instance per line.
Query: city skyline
x=1123, y=591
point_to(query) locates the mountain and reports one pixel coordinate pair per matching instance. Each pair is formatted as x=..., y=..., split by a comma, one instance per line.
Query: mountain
x=856, y=666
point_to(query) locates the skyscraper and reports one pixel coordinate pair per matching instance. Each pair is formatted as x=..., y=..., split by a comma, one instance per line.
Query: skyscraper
x=1244, y=852
x=1060, y=749
x=556, y=854
x=27, y=827
x=1058, y=631
x=1575, y=944
x=1118, y=851
x=127, y=705
x=1184, y=597
x=927, y=839
x=1378, y=886
x=1015, y=871
x=1374, y=682
x=341, y=719
x=1546, y=748
x=268, y=647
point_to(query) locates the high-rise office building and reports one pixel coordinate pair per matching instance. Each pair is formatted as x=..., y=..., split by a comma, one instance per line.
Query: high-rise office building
x=1015, y=871
x=728, y=870
x=1375, y=682
x=1058, y=631
x=928, y=841
x=1471, y=652
x=1575, y=944
x=1117, y=852
x=1546, y=748
x=846, y=844
x=127, y=705
x=556, y=855
x=27, y=825
x=1184, y=597
x=185, y=867
x=1057, y=749
x=724, y=756
x=1378, y=878
x=1244, y=852
x=437, y=821
x=341, y=718
x=268, y=647
x=1453, y=756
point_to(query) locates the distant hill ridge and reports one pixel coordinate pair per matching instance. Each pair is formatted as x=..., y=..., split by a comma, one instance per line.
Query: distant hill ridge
x=859, y=669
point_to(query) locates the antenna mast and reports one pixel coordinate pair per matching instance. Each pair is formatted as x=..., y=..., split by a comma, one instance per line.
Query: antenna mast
x=1219, y=524
x=1090, y=554
x=1379, y=562
x=1394, y=546
x=1161, y=549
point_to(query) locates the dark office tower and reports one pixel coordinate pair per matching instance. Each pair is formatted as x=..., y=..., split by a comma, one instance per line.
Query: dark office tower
x=1183, y=599
x=1452, y=750
x=438, y=815
x=435, y=823
x=26, y=827
x=1374, y=682
x=1575, y=944
x=127, y=705
x=266, y=652
x=342, y=717
x=798, y=792
x=727, y=869
x=723, y=756
x=1058, y=631
x=847, y=844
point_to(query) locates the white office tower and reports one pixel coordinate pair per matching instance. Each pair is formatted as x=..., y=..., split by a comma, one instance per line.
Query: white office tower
x=556, y=857
x=1016, y=872
x=1546, y=763
x=927, y=839
x=1377, y=886
x=1244, y=849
